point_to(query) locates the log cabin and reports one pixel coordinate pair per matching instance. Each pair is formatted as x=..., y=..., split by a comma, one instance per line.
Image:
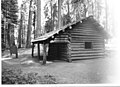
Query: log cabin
x=82, y=39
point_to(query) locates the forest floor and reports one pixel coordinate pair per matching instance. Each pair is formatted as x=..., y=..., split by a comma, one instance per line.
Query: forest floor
x=87, y=71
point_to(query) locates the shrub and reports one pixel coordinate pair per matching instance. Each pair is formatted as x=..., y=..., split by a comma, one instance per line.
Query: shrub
x=10, y=76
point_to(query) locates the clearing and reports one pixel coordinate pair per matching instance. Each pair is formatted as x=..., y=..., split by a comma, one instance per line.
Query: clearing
x=87, y=71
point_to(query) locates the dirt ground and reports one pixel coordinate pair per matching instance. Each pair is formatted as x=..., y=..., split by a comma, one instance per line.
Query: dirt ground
x=87, y=71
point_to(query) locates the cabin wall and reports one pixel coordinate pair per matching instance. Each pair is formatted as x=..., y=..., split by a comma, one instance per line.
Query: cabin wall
x=70, y=44
x=82, y=33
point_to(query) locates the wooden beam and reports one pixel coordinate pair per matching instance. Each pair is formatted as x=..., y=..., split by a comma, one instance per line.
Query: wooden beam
x=44, y=53
x=32, y=49
x=38, y=50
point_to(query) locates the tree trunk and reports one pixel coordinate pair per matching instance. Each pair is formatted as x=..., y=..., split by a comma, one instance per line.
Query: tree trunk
x=59, y=13
x=34, y=23
x=68, y=12
x=8, y=35
x=106, y=24
x=28, y=41
x=20, y=29
x=38, y=29
x=51, y=15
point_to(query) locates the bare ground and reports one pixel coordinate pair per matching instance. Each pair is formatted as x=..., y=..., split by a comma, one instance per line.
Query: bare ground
x=88, y=71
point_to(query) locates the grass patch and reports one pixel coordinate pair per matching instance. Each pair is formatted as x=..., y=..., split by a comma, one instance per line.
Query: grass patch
x=11, y=76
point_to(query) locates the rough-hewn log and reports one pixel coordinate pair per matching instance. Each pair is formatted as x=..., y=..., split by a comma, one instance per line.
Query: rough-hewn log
x=32, y=49
x=86, y=57
x=38, y=51
x=44, y=53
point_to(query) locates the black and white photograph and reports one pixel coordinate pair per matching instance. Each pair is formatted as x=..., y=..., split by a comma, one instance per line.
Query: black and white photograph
x=60, y=42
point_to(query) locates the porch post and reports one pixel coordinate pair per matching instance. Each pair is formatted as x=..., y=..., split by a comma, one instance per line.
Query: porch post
x=38, y=50
x=32, y=49
x=44, y=54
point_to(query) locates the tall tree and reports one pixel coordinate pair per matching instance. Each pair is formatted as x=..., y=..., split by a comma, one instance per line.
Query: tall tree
x=20, y=28
x=59, y=13
x=38, y=29
x=23, y=10
x=28, y=41
x=55, y=16
x=50, y=11
x=106, y=12
x=76, y=4
x=48, y=16
x=9, y=10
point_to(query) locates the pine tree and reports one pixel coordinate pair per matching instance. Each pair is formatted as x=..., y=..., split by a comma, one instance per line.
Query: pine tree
x=9, y=10
x=28, y=41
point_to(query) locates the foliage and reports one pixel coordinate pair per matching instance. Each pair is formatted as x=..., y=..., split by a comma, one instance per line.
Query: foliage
x=9, y=9
x=10, y=76
x=50, y=11
x=66, y=19
x=48, y=26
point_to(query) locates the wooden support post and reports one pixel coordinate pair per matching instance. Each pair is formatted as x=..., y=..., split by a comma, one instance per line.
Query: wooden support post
x=69, y=57
x=44, y=54
x=32, y=49
x=38, y=50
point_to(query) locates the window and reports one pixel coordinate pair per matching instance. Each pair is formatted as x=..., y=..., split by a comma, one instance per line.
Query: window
x=88, y=45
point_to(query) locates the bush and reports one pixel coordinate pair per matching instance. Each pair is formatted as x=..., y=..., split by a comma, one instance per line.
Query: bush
x=10, y=76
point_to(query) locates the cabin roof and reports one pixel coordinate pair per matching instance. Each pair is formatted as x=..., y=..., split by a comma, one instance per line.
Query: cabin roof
x=52, y=33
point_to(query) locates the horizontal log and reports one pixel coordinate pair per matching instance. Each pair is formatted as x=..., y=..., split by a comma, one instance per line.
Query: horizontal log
x=76, y=40
x=61, y=38
x=61, y=41
x=80, y=44
x=78, y=48
x=81, y=55
x=82, y=35
x=83, y=43
x=86, y=33
x=85, y=52
x=84, y=28
x=93, y=49
x=79, y=38
x=85, y=40
x=83, y=48
x=86, y=57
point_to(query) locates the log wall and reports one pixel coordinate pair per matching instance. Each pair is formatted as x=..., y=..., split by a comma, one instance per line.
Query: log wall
x=70, y=44
x=86, y=32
